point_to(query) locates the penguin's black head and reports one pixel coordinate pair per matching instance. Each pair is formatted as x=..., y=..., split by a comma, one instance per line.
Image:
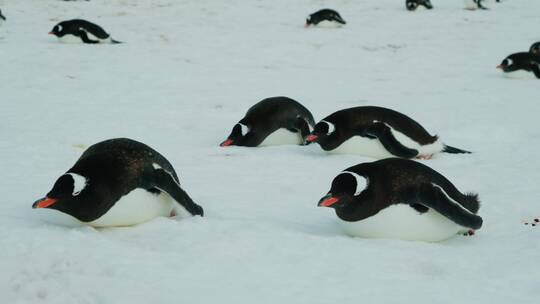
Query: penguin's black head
x=2, y=16
x=58, y=30
x=72, y=194
x=411, y=5
x=508, y=65
x=237, y=135
x=324, y=131
x=346, y=188
x=535, y=49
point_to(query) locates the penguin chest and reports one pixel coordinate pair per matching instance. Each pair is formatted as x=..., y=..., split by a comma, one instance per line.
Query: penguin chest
x=470, y=4
x=520, y=74
x=403, y=222
x=138, y=206
x=282, y=137
x=329, y=24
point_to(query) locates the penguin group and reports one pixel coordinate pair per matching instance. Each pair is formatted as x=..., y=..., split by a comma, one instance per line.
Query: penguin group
x=123, y=182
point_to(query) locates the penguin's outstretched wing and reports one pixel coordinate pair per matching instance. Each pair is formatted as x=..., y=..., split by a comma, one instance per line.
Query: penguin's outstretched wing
x=391, y=144
x=433, y=197
x=164, y=181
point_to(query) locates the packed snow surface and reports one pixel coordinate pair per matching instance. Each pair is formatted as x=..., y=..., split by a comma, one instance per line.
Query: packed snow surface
x=187, y=72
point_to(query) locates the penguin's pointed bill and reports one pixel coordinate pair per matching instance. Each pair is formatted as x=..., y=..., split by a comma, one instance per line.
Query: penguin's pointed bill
x=327, y=201
x=226, y=143
x=44, y=202
x=312, y=138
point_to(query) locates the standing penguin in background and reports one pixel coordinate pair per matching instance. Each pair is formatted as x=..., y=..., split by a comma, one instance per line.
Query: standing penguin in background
x=272, y=121
x=325, y=18
x=413, y=4
x=77, y=30
x=401, y=199
x=521, y=65
x=535, y=49
x=119, y=182
x=376, y=132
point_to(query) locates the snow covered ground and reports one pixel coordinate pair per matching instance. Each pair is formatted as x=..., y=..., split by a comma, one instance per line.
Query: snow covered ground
x=188, y=71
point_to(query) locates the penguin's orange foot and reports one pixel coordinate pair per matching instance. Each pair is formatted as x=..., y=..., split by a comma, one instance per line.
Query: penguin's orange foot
x=469, y=233
x=533, y=223
x=427, y=156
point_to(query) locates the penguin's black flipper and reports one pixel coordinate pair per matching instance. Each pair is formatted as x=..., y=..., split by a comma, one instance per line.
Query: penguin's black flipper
x=164, y=181
x=433, y=197
x=454, y=150
x=301, y=125
x=85, y=38
x=480, y=6
x=387, y=139
x=427, y=4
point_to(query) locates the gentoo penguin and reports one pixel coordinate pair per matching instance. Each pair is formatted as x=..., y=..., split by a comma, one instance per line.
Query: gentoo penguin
x=376, y=132
x=272, y=121
x=475, y=4
x=413, y=4
x=2, y=17
x=535, y=49
x=402, y=199
x=325, y=18
x=77, y=30
x=119, y=182
x=520, y=65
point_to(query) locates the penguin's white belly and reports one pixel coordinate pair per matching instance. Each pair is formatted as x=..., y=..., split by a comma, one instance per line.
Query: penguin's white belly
x=470, y=5
x=136, y=207
x=403, y=222
x=372, y=147
x=329, y=24
x=520, y=74
x=282, y=137
x=75, y=39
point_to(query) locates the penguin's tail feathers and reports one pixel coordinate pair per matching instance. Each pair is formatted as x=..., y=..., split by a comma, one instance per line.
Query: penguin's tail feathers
x=116, y=41
x=471, y=202
x=453, y=150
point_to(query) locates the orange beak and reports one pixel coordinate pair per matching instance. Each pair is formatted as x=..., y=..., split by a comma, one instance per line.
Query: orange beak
x=51, y=33
x=499, y=66
x=328, y=201
x=44, y=202
x=226, y=143
x=312, y=138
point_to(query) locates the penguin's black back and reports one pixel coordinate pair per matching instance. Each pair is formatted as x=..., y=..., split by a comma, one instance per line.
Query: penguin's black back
x=73, y=26
x=277, y=112
x=353, y=118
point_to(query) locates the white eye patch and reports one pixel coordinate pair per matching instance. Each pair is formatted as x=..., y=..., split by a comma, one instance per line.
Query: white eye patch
x=331, y=127
x=79, y=183
x=510, y=61
x=59, y=28
x=361, y=182
x=243, y=129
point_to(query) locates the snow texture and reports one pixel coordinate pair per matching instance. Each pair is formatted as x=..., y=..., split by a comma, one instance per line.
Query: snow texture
x=188, y=72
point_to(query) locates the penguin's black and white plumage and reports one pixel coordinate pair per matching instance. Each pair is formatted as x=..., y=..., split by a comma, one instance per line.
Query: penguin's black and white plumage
x=535, y=49
x=2, y=17
x=414, y=4
x=475, y=4
x=376, y=132
x=325, y=18
x=272, y=121
x=521, y=65
x=400, y=199
x=78, y=30
x=119, y=182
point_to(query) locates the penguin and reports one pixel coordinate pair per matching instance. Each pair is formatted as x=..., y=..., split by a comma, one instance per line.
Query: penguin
x=520, y=65
x=376, y=132
x=401, y=199
x=2, y=17
x=119, y=182
x=325, y=18
x=475, y=4
x=535, y=49
x=413, y=4
x=272, y=121
x=78, y=30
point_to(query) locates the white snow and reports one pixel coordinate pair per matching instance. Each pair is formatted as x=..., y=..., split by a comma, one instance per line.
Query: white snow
x=187, y=72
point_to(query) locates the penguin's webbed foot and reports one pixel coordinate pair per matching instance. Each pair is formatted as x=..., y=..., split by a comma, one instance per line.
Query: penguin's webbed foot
x=470, y=232
x=533, y=223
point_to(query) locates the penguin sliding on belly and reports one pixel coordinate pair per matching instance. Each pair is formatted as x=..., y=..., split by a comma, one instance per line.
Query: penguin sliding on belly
x=376, y=132
x=119, y=182
x=78, y=30
x=521, y=65
x=401, y=199
x=325, y=18
x=272, y=121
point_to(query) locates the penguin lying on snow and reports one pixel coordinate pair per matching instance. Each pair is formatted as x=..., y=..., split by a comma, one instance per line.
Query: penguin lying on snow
x=520, y=65
x=325, y=18
x=272, y=121
x=118, y=182
x=377, y=132
x=402, y=199
x=413, y=4
x=78, y=30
